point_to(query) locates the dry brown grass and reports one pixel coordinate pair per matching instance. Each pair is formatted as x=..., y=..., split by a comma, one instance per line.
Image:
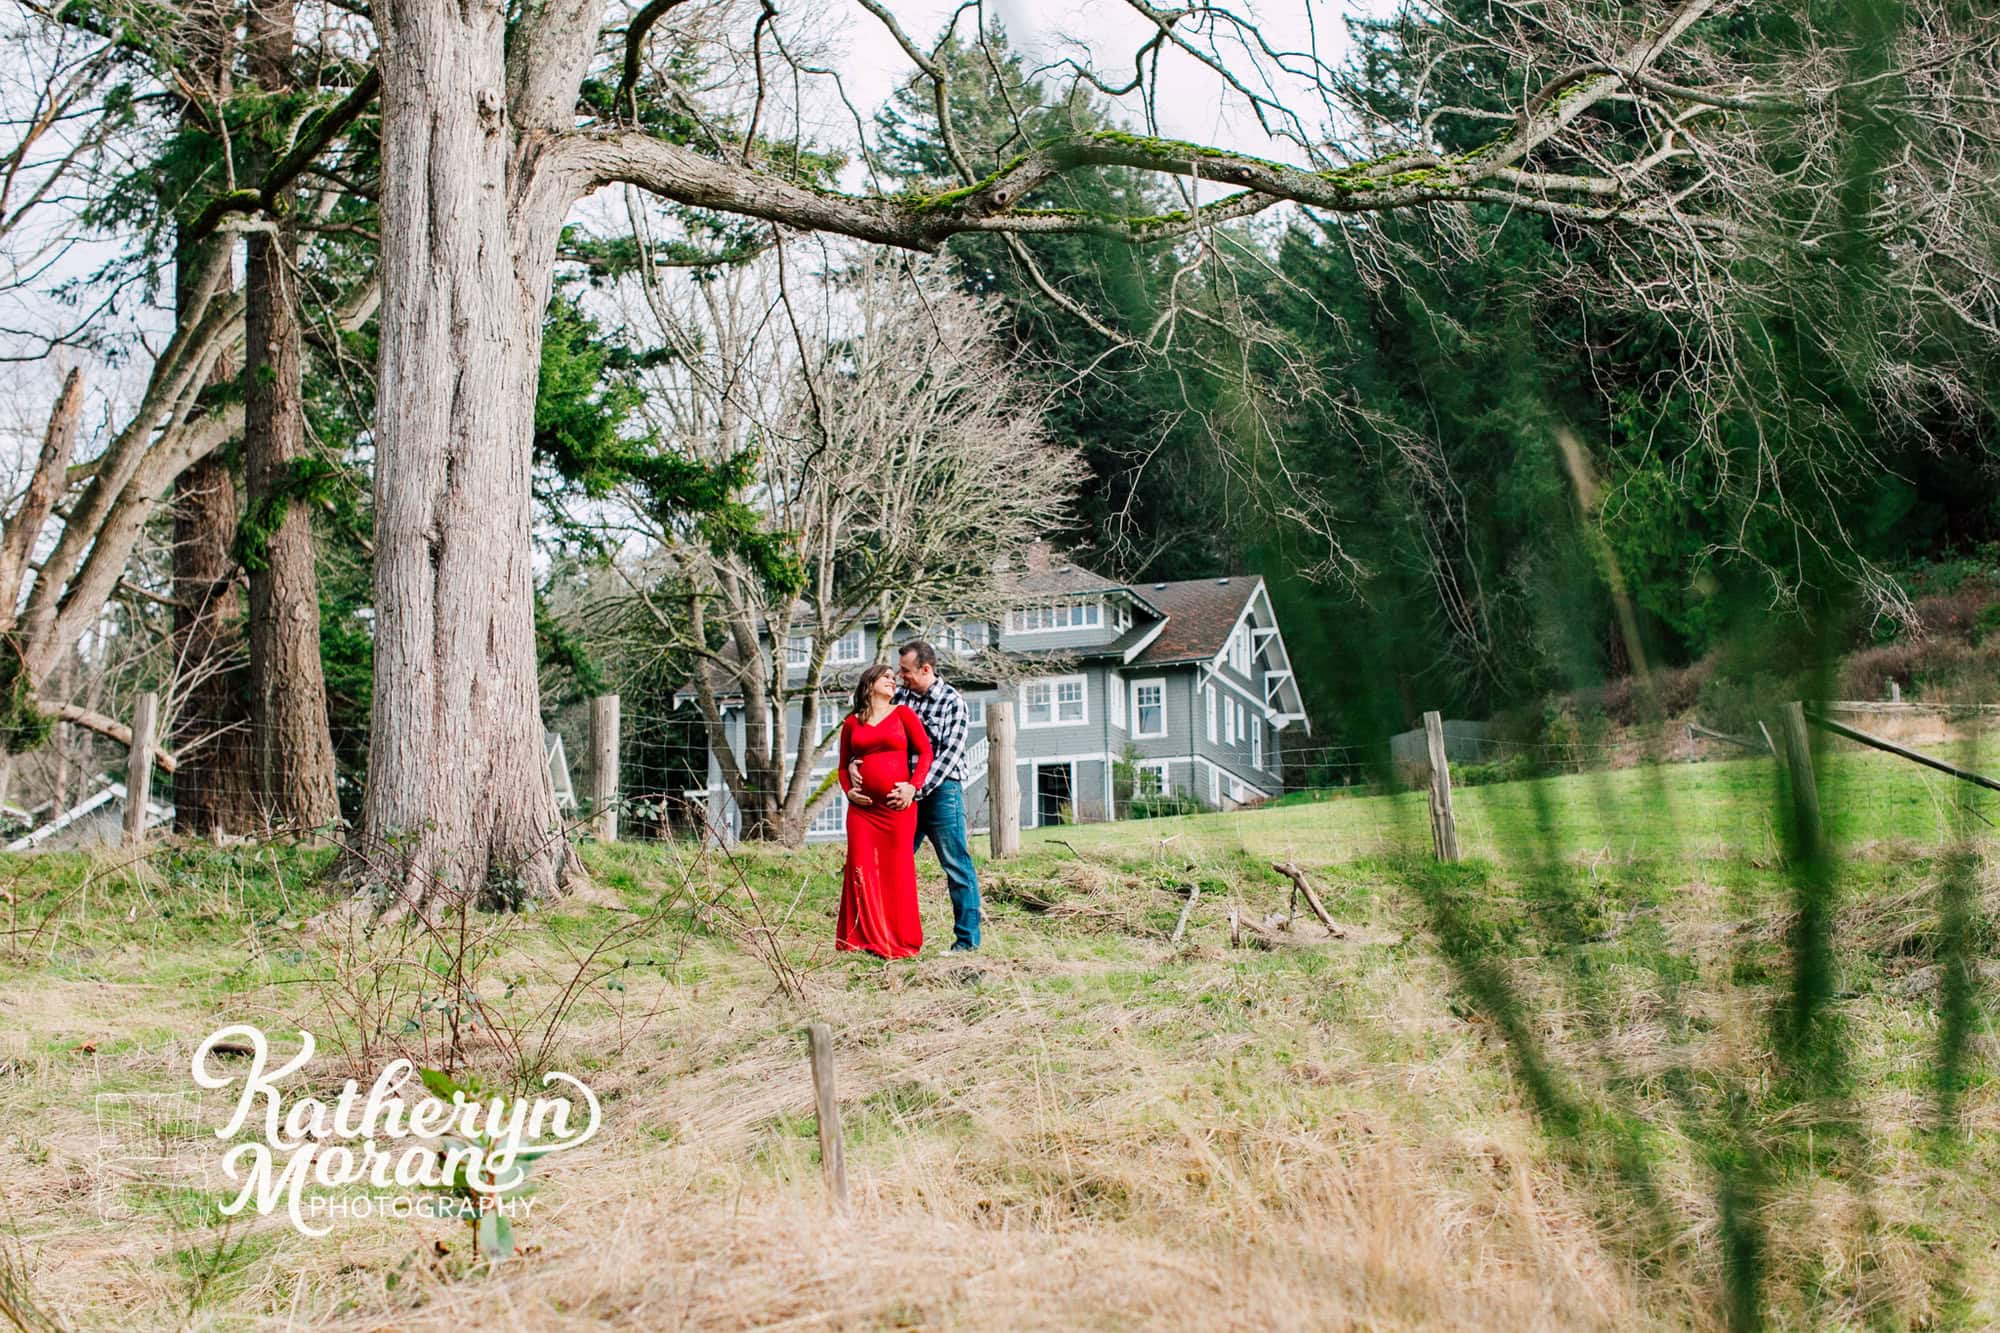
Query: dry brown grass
x=1100, y=1130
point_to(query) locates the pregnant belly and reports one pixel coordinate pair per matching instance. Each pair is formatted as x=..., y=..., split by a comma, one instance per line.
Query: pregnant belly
x=882, y=770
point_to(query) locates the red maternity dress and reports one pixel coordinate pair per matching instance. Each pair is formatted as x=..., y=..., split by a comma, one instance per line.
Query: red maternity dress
x=878, y=898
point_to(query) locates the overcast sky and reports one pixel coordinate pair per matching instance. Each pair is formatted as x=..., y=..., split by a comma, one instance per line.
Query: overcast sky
x=1193, y=104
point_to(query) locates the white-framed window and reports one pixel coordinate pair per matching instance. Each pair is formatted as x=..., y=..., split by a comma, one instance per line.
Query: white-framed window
x=1114, y=689
x=975, y=710
x=830, y=711
x=1256, y=742
x=1229, y=722
x=798, y=649
x=1047, y=619
x=1208, y=702
x=1149, y=779
x=850, y=647
x=1239, y=649
x=832, y=816
x=1058, y=701
x=1124, y=615
x=1242, y=721
x=1215, y=787
x=1149, y=708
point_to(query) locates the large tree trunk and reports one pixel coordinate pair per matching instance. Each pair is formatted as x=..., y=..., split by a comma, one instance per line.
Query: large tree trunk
x=458, y=797
x=292, y=738
x=213, y=791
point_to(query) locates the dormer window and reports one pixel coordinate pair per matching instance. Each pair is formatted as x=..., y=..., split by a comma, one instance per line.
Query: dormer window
x=1048, y=619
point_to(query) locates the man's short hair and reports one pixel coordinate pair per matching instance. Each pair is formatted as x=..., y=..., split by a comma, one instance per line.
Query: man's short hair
x=926, y=655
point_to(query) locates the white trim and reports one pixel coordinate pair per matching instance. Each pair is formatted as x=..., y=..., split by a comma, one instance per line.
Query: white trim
x=1238, y=645
x=1208, y=697
x=1257, y=745
x=1250, y=788
x=1114, y=689
x=1014, y=617
x=1137, y=734
x=156, y=814
x=834, y=656
x=1283, y=662
x=1159, y=626
x=1035, y=766
x=1271, y=714
x=1229, y=721
x=1249, y=602
x=1054, y=684
x=834, y=810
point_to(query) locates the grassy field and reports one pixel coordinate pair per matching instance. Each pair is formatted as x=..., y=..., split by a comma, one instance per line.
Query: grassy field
x=1568, y=1084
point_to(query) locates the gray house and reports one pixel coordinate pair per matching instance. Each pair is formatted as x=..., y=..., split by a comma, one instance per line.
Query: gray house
x=1188, y=680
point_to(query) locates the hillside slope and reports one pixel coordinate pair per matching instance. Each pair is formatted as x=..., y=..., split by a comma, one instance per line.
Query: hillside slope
x=1542, y=1089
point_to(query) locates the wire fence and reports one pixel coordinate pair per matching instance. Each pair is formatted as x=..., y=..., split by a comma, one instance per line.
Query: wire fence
x=670, y=785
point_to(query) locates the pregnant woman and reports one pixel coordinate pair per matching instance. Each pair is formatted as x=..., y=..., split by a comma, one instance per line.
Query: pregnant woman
x=878, y=898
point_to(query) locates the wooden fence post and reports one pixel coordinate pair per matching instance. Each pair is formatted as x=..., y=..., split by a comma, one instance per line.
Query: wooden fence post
x=832, y=1158
x=139, y=767
x=1444, y=825
x=604, y=767
x=1805, y=785
x=1003, y=784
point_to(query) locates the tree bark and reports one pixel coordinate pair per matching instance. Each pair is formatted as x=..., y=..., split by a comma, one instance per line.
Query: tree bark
x=458, y=799
x=213, y=792
x=291, y=736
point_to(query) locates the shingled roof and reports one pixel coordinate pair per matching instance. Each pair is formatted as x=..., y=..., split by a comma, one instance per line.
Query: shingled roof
x=1200, y=613
x=1061, y=579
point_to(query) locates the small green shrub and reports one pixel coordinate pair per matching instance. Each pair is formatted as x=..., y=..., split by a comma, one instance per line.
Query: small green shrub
x=1156, y=805
x=1513, y=768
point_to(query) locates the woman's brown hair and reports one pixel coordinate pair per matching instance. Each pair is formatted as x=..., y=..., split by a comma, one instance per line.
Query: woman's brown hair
x=866, y=685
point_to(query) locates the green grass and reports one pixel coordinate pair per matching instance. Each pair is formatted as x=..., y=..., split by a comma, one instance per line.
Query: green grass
x=1557, y=1084
x=1677, y=811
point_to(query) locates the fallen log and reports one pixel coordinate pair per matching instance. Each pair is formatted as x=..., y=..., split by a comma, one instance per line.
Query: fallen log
x=1194, y=892
x=1303, y=885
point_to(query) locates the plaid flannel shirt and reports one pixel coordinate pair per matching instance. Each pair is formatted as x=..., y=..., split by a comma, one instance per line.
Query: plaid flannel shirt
x=948, y=722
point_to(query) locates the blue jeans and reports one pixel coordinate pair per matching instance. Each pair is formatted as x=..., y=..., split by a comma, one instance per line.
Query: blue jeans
x=941, y=818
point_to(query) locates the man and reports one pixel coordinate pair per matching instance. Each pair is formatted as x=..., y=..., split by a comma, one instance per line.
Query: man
x=941, y=801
